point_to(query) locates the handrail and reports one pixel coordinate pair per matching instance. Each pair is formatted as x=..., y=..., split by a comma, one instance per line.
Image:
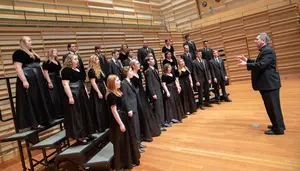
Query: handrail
x=200, y=25
x=102, y=17
x=10, y=98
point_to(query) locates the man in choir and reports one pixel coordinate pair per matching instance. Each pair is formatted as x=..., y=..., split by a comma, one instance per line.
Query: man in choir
x=102, y=60
x=142, y=54
x=266, y=80
x=191, y=44
x=207, y=53
x=154, y=90
x=72, y=48
x=129, y=58
x=115, y=66
x=188, y=57
x=219, y=77
x=202, y=79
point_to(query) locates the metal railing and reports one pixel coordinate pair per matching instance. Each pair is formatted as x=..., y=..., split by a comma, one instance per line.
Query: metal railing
x=66, y=12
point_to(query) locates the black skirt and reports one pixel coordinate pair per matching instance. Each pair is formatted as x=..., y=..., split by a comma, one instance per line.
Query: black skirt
x=33, y=105
x=173, y=106
x=187, y=97
x=99, y=108
x=78, y=120
x=126, y=150
x=56, y=95
x=148, y=124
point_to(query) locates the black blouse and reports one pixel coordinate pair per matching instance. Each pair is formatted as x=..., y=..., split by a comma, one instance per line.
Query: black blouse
x=71, y=75
x=123, y=56
x=165, y=49
x=167, y=79
x=112, y=100
x=22, y=57
x=51, y=67
x=137, y=82
x=184, y=75
x=92, y=74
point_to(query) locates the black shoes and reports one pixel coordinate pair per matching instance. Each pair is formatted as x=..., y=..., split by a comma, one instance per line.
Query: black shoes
x=142, y=146
x=218, y=102
x=148, y=140
x=208, y=105
x=270, y=126
x=228, y=100
x=175, y=121
x=271, y=132
x=201, y=107
x=141, y=150
x=162, y=129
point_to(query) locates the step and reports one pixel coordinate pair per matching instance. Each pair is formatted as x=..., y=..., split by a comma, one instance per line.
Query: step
x=77, y=153
x=102, y=159
x=27, y=134
x=51, y=141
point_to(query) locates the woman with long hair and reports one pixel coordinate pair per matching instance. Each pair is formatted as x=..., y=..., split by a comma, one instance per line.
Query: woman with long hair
x=126, y=151
x=123, y=52
x=78, y=119
x=186, y=83
x=51, y=68
x=148, y=124
x=98, y=106
x=173, y=107
x=33, y=105
x=172, y=62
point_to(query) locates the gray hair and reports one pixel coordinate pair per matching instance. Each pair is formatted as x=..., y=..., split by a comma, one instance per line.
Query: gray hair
x=264, y=36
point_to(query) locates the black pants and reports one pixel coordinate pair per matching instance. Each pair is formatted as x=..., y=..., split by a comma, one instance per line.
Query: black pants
x=203, y=90
x=272, y=104
x=220, y=83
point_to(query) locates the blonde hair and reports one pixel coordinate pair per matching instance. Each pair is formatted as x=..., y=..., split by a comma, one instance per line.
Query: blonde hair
x=132, y=63
x=97, y=68
x=50, y=55
x=69, y=60
x=111, y=85
x=166, y=67
x=23, y=47
x=179, y=67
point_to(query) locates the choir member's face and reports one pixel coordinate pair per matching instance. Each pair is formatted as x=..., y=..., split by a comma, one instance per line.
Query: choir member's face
x=54, y=52
x=97, y=60
x=186, y=48
x=205, y=44
x=168, y=42
x=98, y=51
x=188, y=38
x=216, y=54
x=124, y=46
x=137, y=66
x=28, y=42
x=130, y=53
x=73, y=48
x=259, y=42
x=151, y=61
x=169, y=70
x=145, y=44
x=118, y=83
x=181, y=63
x=116, y=55
x=199, y=55
x=130, y=73
x=75, y=62
x=169, y=55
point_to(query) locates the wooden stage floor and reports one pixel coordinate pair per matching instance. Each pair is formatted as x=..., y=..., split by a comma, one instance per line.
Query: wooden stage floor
x=222, y=138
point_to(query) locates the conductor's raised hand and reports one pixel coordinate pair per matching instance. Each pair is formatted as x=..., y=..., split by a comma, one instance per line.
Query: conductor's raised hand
x=242, y=58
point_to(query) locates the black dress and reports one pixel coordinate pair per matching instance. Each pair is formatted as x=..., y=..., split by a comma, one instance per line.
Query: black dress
x=187, y=95
x=173, y=106
x=149, y=126
x=56, y=93
x=78, y=119
x=98, y=107
x=33, y=105
x=165, y=49
x=126, y=150
x=123, y=56
x=173, y=64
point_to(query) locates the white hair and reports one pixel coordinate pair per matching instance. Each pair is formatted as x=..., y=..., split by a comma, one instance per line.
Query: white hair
x=264, y=36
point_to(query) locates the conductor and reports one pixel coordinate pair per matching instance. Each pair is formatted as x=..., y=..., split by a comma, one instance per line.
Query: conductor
x=266, y=80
